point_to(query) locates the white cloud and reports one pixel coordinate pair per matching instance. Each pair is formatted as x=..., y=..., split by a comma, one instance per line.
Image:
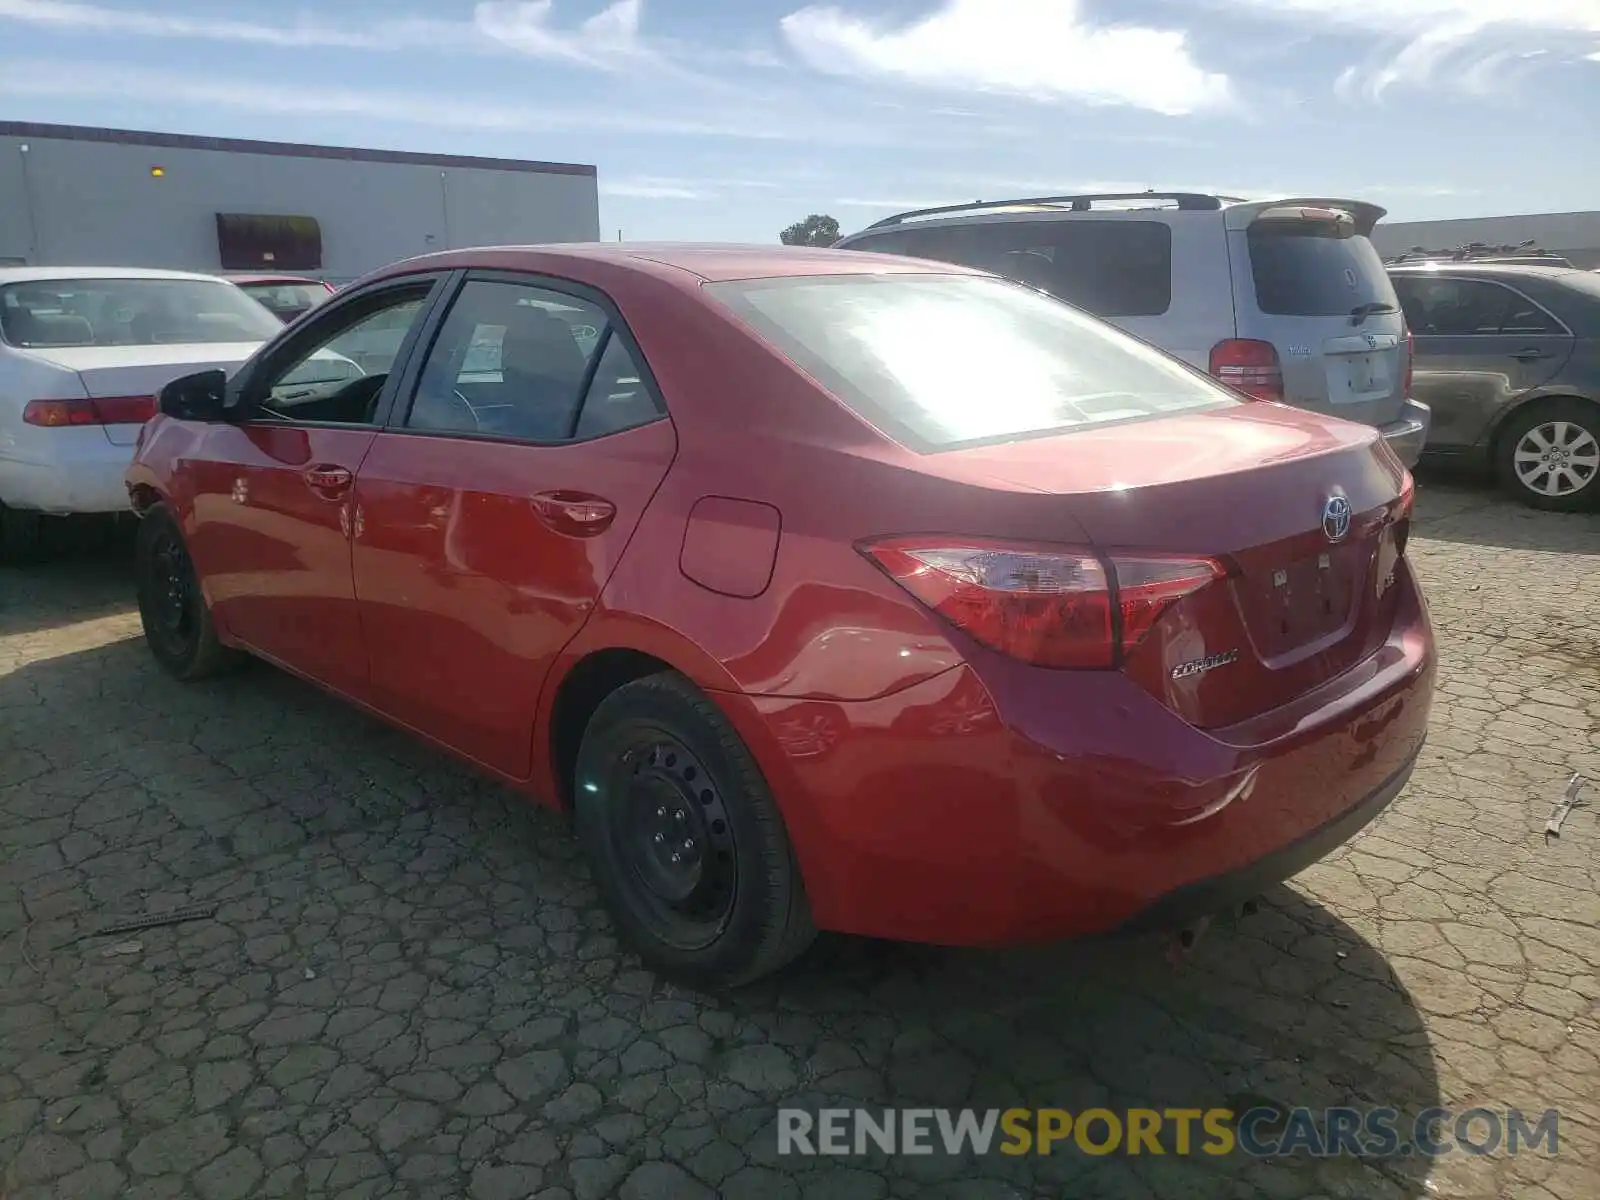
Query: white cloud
x=645, y=190
x=886, y=204
x=1470, y=45
x=62, y=80
x=1041, y=49
x=675, y=114
x=609, y=38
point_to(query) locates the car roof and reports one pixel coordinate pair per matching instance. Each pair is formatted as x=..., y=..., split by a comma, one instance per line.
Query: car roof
x=267, y=277
x=705, y=261
x=54, y=274
x=1237, y=211
x=1508, y=270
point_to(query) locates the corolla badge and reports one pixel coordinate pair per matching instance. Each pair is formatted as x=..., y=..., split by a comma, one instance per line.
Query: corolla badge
x=1199, y=666
x=1335, y=518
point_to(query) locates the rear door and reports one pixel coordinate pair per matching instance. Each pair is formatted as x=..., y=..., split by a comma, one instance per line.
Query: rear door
x=493, y=509
x=1480, y=344
x=1308, y=281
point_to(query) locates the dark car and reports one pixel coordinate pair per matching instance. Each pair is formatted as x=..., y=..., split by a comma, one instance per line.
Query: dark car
x=1508, y=358
x=285, y=296
x=826, y=589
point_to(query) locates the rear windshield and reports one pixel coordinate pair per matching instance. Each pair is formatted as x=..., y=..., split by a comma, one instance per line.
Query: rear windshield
x=130, y=312
x=287, y=298
x=1119, y=268
x=1304, y=270
x=941, y=361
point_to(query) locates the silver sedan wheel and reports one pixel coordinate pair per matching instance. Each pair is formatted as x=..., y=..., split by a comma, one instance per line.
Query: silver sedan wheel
x=1557, y=459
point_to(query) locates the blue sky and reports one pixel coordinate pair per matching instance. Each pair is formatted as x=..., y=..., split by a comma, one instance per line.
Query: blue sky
x=728, y=120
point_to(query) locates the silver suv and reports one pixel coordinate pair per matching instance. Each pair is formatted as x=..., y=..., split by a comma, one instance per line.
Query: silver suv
x=1283, y=299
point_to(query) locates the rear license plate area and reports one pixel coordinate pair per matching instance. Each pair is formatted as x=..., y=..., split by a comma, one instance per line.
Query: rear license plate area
x=1354, y=377
x=1301, y=602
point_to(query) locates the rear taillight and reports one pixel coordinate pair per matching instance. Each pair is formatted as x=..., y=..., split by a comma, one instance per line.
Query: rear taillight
x=102, y=410
x=1402, y=514
x=1248, y=366
x=1411, y=362
x=1051, y=606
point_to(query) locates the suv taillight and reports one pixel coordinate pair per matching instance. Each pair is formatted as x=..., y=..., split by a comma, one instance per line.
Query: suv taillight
x=1411, y=363
x=1051, y=606
x=102, y=410
x=1248, y=366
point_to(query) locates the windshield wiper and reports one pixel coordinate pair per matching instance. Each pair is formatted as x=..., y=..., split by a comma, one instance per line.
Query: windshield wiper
x=1361, y=312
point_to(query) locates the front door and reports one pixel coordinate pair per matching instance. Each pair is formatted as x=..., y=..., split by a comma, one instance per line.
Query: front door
x=1479, y=345
x=491, y=512
x=273, y=507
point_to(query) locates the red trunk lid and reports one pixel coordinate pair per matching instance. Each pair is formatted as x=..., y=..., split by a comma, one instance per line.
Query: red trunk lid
x=1308, y=592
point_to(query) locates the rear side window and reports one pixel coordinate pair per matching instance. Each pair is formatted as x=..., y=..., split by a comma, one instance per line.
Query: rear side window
x=1444, y=307
x=1110, y=268
x=1309, y=270
x=942, y=361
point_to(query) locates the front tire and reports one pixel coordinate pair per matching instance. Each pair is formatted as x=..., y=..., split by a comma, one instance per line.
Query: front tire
x=1548, y=455
x=176, y=619
x=687, y=844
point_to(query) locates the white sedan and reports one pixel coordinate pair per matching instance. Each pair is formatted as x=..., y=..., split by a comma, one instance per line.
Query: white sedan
x=83, y=353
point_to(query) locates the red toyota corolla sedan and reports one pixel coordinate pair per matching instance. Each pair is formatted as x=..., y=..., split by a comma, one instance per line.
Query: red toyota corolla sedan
x=825, y=589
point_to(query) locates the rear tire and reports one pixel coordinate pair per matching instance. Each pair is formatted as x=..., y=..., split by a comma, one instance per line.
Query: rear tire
x=1548, y=455
x=687, y=844
x=176, y=619
x=21, y=536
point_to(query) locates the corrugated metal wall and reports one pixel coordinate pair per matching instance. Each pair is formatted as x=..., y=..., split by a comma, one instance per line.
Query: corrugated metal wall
x=96, y=203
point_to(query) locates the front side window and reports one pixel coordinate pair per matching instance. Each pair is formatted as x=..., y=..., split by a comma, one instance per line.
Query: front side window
x=940, y=361
x=339, y=376
x=514, y=360
x=130, y=312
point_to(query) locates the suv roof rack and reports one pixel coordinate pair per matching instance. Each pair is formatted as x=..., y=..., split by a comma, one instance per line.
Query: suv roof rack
x=1526, y=253
x=1186, y=202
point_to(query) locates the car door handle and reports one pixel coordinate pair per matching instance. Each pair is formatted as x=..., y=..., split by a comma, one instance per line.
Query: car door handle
x=329, y=480
x=1528, y=354
x=575, y=514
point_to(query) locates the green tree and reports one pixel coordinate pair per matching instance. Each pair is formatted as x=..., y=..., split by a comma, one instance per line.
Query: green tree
x=815, y=230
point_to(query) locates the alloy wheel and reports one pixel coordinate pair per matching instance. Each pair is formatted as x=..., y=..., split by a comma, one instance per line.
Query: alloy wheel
x=1557, y=459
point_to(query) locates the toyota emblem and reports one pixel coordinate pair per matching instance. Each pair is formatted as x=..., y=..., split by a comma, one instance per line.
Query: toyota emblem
x=1336, y=518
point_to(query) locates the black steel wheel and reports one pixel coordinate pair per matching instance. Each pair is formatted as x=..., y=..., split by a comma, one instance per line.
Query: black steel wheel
x=688, y=847
x=176, y=620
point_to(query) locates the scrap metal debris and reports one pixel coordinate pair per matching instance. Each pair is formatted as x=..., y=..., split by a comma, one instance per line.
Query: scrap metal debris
x=173, y=916
x=1569, y=801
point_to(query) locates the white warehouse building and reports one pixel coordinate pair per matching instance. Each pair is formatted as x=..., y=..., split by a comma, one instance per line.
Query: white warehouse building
x=81, y=196
x=1574, y=235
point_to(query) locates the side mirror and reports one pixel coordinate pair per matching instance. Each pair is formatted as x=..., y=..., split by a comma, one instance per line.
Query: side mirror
x=197, y=397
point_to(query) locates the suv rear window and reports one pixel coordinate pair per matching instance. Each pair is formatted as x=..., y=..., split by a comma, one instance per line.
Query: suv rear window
x=941, y=361
x=1118, y=268
x=1305, y=269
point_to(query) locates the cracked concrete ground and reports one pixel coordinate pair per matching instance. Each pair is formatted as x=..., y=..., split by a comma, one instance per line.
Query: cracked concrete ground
x=407, y=989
